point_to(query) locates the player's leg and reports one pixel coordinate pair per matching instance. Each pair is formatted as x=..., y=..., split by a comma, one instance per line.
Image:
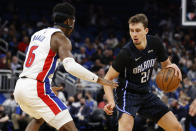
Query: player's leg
x=34, y=125
x=62, y=121
x=41, y=102
x=127, y=104
x=156, y=110
x=70, y=126
x=52, y=109
x=169, y=122
x=125, y=123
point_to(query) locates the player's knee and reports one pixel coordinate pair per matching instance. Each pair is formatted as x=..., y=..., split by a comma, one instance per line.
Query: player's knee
x=125, y=126
x=38, y=121
x=66, y=128
x=70, y=126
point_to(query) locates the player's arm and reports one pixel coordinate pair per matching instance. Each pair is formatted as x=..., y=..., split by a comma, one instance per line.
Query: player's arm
x=164, y=59
x=110, y=75
x=62, y=45
x=118, y=66
x=192, y=108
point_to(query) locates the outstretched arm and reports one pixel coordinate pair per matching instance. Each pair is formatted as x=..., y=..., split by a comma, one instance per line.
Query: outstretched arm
x=62, y=45
x=111, y=74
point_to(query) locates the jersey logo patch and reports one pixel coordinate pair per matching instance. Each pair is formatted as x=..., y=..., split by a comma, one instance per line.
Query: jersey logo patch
x=149, y=51
x=136, y=59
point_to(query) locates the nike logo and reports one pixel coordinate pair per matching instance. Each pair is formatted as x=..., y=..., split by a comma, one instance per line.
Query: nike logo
x=136, y=59
x=149, y=51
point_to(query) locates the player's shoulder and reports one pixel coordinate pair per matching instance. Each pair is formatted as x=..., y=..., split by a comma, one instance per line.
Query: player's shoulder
x=124, y=51
x=59, y=36
x=153, y=38
x=153, y=41
x=126, y=47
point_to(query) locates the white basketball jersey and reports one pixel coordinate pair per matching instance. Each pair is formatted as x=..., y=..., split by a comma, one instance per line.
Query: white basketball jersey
x=40, y=61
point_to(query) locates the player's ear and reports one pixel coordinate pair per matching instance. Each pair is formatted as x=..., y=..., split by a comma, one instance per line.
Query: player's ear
x=66, y=22
x=146, y=30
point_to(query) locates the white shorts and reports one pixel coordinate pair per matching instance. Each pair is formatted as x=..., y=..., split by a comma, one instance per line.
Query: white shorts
x=39, y=101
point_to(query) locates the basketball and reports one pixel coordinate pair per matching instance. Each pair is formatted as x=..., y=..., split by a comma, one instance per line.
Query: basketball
x=166, y=80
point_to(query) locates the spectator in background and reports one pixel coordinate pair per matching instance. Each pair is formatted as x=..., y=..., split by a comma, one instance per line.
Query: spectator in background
x=97, y=55
x=98, y=44
x=107, y=57
x=72, y=109
x=77, y=98
x=14, y=64
x=97, y=66
x=192, y=73
x=9, y=58
x=59, y=93
x=82, y=114
x=102, y=103
x=101, y=72
x=4, y=118
x=3, y=62
x=81, y=55
x=20, y=119
x=89, y=47
x=13, y=45
x=22, y=46
x=111, y=41
x=10, y=103
x=90, y=102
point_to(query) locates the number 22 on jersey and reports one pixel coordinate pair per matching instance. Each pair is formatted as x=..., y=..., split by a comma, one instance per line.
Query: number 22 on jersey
x=31, y=56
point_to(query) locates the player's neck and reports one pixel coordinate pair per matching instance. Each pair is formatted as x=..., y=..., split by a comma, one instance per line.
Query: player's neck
x=142, y=46
x=62, y=29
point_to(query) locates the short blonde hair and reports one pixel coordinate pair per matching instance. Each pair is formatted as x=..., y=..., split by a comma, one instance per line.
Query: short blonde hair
x=139, y=18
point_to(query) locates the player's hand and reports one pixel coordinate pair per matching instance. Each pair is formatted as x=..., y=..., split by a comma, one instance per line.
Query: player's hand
x=108, y=108
x=56, y=89
x=177, y=70
x=192, y=108
x=105, y=82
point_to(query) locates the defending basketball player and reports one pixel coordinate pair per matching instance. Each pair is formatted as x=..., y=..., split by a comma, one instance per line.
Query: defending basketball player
x=33, y=91
x=133, y=66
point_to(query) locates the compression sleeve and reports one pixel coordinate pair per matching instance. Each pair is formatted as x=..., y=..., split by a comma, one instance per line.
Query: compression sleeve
x=78, y=71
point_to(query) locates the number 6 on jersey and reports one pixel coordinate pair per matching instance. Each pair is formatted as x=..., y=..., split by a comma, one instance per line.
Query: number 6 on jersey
x=31, y=56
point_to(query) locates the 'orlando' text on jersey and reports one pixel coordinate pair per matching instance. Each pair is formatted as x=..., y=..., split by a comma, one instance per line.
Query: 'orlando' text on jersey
x=135, y=66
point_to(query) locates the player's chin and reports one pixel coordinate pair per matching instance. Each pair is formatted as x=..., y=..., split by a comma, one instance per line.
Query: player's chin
x=136, y=42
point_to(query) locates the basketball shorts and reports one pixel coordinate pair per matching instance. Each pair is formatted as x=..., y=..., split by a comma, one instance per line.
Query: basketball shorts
x=39, y=101
x=147, y=104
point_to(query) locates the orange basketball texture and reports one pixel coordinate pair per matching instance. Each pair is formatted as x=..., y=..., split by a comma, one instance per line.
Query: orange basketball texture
x=166, y=80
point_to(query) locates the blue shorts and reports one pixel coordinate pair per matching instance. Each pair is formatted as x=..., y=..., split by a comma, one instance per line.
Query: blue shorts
x=146, y=104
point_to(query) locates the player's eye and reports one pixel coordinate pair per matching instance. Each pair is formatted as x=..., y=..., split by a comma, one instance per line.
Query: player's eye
x=137, y=30
x=131, y=30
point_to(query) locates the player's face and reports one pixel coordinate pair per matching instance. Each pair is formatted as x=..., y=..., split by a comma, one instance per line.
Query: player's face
x=137, y=33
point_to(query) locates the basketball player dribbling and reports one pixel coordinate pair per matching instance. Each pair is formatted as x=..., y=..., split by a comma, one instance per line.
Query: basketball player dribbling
x=133, y=66
x=33, y=91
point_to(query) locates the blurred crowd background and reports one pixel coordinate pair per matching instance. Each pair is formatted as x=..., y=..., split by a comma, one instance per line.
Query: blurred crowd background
x=101, y=30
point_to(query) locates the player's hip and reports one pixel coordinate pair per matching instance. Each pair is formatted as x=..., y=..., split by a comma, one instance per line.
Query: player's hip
x=28, y=89
x=133, y=88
